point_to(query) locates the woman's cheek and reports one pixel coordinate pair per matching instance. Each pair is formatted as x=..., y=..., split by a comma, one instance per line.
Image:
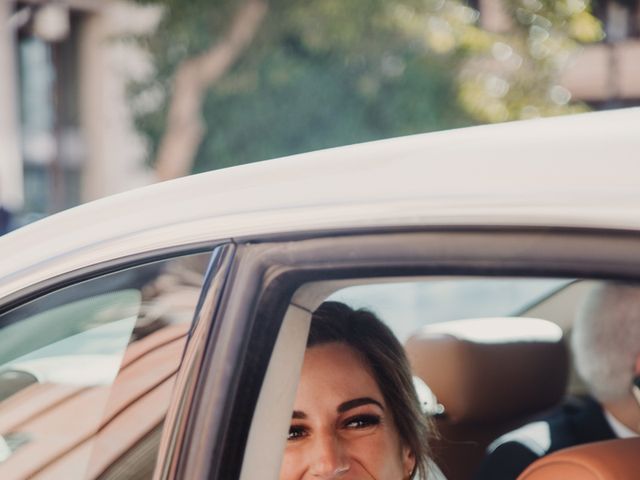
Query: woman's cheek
x=369, y=450
x=379, y=456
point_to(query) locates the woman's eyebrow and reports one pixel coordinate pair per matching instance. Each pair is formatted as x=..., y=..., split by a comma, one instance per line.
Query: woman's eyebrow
x=356, y=402
x=298, y=415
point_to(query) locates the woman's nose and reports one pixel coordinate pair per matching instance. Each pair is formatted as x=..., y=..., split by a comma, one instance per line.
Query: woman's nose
x=329, y=458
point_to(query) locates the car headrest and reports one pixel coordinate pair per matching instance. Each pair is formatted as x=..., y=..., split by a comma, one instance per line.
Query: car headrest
x=491, y=369
x=608, y=460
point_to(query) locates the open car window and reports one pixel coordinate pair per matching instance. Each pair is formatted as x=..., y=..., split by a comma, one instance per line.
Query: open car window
x=263, y=328
x=459, y=305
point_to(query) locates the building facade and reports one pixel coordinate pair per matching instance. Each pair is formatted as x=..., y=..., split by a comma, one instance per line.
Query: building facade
x=66, y=128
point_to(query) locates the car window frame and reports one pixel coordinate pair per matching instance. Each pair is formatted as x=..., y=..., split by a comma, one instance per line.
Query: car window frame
x=266, y=273
x=183, y=399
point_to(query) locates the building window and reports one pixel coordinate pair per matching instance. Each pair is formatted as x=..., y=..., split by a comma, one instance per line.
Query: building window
x=52, y=146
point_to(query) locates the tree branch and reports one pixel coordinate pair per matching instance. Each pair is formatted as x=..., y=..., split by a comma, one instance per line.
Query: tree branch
x=185, y=126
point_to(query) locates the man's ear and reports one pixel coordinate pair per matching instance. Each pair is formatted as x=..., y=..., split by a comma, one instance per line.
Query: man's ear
x=408, y=462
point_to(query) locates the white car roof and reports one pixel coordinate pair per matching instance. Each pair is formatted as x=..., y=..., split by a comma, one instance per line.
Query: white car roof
x=576, y=171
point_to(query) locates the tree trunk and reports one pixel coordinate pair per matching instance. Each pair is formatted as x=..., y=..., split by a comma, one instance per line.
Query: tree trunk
x=185, y=126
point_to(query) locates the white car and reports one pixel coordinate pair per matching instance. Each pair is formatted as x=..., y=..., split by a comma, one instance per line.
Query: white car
x=160, y=333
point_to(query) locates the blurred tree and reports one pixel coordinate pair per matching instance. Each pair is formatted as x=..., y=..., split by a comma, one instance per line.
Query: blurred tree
x=237, y=82
x=516, y=75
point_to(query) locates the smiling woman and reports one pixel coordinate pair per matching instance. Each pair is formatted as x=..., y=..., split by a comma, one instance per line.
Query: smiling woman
x=356, y=412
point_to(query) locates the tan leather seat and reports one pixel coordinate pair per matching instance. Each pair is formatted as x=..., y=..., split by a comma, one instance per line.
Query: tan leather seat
x=610, y=460
x=491, y=375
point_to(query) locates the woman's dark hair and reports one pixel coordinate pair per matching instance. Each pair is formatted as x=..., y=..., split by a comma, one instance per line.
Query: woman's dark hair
x=370, y=337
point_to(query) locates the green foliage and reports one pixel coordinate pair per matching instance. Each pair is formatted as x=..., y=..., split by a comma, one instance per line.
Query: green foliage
x=518, y=75
x=294, y=103
x=331, y=72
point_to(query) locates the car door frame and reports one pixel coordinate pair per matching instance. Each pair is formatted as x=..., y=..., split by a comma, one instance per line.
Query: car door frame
x=266, y=272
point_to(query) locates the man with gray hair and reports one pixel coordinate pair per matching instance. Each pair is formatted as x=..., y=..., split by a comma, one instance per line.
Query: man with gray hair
x=606, y=352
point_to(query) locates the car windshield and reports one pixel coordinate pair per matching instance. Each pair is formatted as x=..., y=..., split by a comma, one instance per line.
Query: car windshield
x=414, y=304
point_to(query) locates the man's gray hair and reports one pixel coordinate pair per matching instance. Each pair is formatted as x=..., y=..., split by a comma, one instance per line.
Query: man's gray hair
x=606, y=339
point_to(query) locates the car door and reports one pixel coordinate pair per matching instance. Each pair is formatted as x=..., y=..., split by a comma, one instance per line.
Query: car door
x=89, y=360
x=244, y=391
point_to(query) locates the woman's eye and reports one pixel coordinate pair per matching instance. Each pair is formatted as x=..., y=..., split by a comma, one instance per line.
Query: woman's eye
x=362, y=421
x=296, y=432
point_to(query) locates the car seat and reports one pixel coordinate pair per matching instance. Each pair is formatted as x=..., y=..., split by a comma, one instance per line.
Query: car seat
x=491, y=375
x=608, y=460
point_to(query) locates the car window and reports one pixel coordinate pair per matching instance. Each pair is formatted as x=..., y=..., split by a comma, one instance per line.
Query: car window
x=443, y=302
x=86, y=372
x=525, y=365
x=407, y=306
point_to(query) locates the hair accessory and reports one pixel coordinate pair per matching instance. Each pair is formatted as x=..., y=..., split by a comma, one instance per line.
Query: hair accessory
x=428, y=401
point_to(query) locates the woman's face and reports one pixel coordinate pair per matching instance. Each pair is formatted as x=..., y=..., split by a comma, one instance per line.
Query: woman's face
x=341, y=426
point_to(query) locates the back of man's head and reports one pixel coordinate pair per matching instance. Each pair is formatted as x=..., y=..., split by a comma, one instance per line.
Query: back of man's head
x=606, y=339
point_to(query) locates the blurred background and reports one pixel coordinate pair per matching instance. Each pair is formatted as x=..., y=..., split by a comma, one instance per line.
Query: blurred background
x=100, y=96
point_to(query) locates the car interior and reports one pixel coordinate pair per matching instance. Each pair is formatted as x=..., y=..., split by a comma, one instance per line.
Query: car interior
x=491, y=374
